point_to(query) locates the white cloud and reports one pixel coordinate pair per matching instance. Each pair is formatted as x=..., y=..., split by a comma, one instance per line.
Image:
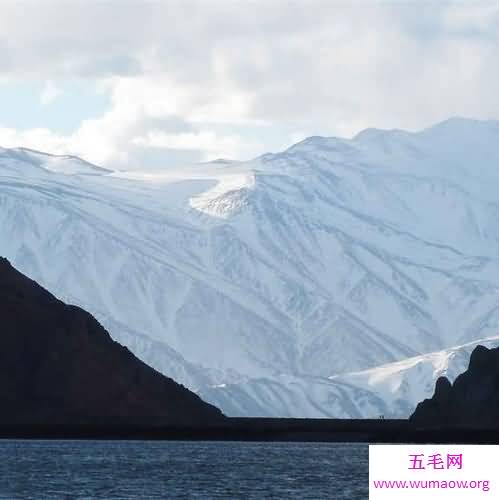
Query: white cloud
x=195, y=79
x=33, y=138
x=205, y=141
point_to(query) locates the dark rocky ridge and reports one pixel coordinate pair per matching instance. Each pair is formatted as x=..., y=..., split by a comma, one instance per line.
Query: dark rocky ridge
x=58, y=363
x=473, y=399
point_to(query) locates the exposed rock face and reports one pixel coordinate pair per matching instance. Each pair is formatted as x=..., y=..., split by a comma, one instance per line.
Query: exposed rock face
x=472, y=400
x=58, y=363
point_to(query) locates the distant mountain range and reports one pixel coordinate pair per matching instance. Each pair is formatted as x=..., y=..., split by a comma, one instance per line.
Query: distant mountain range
x=57, y=364
x=336, y=278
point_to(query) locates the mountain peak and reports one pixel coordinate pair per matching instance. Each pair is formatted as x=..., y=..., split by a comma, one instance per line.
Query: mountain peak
x=319, y=143
x=472, y=399
x=63, y=164
x=458, y=121
x=372, y=134
x=458, y=126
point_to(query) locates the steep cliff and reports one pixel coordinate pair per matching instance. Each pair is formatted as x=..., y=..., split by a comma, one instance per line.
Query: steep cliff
x=473, y=398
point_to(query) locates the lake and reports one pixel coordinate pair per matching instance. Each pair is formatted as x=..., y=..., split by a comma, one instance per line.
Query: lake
x=173, y=469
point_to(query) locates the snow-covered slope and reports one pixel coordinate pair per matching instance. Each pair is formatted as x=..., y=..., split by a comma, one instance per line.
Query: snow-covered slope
x=390, y=390
x=332, y=257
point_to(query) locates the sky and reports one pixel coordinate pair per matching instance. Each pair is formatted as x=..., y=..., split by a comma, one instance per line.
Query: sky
x=151, y=85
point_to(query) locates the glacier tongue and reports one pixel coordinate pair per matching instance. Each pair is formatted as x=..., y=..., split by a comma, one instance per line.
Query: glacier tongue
x=255, y=282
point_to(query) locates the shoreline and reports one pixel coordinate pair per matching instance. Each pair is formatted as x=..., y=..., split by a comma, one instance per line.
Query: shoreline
x=253, y=429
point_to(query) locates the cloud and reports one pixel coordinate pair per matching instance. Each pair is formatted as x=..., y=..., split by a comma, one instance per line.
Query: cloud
x=207, y=141
x=195, y=80
x=33, y=138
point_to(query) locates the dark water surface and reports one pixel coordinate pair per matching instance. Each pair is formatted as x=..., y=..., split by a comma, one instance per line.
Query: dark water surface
x=204, y=470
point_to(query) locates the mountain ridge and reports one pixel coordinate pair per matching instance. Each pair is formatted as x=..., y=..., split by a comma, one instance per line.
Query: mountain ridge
x=319, y=263
x=57, y=363
x=472, y=399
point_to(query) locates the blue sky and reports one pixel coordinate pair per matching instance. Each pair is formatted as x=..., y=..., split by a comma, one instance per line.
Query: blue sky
x=135, y=84
x=29, y=103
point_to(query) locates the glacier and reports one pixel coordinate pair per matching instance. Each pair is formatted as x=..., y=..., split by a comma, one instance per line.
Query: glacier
x=339, y=277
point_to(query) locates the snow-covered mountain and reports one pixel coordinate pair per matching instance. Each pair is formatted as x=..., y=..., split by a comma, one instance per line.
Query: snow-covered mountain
x=390, y=390
x=304, y=273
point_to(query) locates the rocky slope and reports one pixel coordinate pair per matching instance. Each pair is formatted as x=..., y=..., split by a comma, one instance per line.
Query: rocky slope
x=58, y=363
x=473, y=398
